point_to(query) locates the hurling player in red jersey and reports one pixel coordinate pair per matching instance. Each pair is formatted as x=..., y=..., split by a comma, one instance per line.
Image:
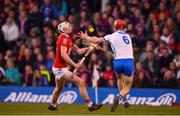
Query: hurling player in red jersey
x=60, y=67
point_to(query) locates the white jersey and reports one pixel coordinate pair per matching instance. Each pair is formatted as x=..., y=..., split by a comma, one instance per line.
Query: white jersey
x=121, y=44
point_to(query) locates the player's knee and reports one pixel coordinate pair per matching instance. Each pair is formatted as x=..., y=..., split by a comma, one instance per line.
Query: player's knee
x=58, y=89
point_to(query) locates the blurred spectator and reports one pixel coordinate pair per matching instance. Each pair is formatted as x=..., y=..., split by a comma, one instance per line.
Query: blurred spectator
x=60, y=8
x=48, y=10
x=123, y=14
x=176, y=60
x=156, y=28
x=169, y=79
x=3, y=79
x=28, y=59
x=141, y=77
x=21, y=6
x=36, y=78
x=94, y=66
x=37, y=51
x=39, y=61
x=49, y=41
x=9, y=55
x=141, y=36
x=156, y=39
x=137, y=53
x=146, y=8
x=50, y=60
x=159, y=50
x=83, y=5
x=35, y=33
x=117, y=8
x=45, y=75
x=149, y=47
x=97, y=20
x=170, y=24
x=28, y=77
x=165, y=60
x=62, y=18
x=12, y=73
x=10, y=3
x=11, y=32
x=23, y=23
x=83, y=18
x=108, y=75
x=166, y=35
x=21, y=52
x=152, y=66
x=162, y=13
x=36, y=43
x=174, y=45
x=108, y=9
x=35, y=17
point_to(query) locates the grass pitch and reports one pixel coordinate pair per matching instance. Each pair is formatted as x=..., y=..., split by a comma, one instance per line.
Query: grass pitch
x=77, y=109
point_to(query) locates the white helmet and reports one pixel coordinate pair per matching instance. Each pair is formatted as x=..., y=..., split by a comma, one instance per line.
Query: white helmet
x=64, y=26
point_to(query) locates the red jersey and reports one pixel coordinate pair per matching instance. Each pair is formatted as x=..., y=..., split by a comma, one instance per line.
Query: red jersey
x=63, y=40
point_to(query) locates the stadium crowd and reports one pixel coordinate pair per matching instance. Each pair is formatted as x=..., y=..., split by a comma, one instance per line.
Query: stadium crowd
x=28, y=34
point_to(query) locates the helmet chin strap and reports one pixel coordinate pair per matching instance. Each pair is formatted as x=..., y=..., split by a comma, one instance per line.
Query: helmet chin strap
x=66, y=33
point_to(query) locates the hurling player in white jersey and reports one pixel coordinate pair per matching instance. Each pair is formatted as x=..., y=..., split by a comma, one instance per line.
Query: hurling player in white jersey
x=123, y=62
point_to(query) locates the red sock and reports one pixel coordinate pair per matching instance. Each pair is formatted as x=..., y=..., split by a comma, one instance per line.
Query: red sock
x=88, y=102
x=54, y=102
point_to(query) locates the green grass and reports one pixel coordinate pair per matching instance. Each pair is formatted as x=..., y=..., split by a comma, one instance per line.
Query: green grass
x=75, y=109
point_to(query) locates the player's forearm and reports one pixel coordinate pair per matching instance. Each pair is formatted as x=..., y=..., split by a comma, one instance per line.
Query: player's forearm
x=82, y=50
x=66, y=57
x=93, y=39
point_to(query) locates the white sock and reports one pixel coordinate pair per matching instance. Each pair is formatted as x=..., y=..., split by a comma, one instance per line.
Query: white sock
x=54, y=104
x=89, y=104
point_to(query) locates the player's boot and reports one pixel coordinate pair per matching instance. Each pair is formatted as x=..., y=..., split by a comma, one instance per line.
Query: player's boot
x=52, y=107
x=95, y=107
x=126, y=103
x=115, y=104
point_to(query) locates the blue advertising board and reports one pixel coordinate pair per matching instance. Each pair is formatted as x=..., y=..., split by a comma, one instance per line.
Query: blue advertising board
x=105, y=95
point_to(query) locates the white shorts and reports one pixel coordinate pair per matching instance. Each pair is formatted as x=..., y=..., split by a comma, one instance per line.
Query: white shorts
x=59, y=72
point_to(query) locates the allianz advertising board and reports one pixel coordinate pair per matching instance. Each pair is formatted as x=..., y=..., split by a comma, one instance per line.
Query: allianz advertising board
x=105, y=95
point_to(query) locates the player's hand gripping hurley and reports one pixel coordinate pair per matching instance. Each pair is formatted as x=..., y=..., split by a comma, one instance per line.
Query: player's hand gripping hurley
x=98, y=48
x=83, y=35
x=84, y=57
